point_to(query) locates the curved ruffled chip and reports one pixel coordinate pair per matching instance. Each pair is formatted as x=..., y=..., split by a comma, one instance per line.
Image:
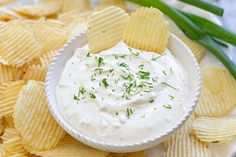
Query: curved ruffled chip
x=108, y=26
x=12, y=144
x=33, y=120
x=7, y=73
x=218, y=96
x=36, y=72
x=38, y=9
x=69, y=147
x=185, y=129
x=136, y=154
x=78, y=5
x=147, y=30
x=8, y=121
x=209, y=129
x=18, y=46
x=74, y=16
x=187, y=146
x=5, y=2
x=51, y=38
x=106, y=3
x=46, y=58
x=197, y=49
x=9, y=96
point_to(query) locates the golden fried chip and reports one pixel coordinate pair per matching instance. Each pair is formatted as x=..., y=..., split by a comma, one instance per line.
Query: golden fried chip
x=187, y=146
x=78, y=5
x=74, y=16
x=218, y=95
x=77, y=29
x=36, y=72
x=147, y=30
x=185, y=129
x=8, y=121
x=50, y=38
x=38, y=9
x=5, y=2
x=69, y=147
x=209, y=129
x=9, y=96
x=18, y=46
x=107, y=25
x=7, y=73
x=106, y=3
x=55, y=23
x=136, y=154
x=33, y=120
x=197, y=49
x=2, y=125
x=46, y=58
x=12, y=144
x=8, y=15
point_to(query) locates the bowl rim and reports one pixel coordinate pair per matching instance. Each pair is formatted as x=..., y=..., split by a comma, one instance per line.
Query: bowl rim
x=114, y=147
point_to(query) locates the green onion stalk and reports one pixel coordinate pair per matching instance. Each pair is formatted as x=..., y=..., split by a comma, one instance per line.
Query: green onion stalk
x=201, y=32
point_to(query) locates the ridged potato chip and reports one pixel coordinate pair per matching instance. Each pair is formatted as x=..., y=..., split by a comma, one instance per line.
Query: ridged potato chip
x=187, y=146
x=46, y=58
x=74, y=16
x=106, y=3
x=9, y=96
x=108, y=26
x=7, y=73
x=50, y=38
x=8, y=121
x=76, y=29
x=12, y=144
x=7, y=15
x=78, y=5
x=33, y=120
x=136, y=154
x=209, y=129
x=38, y=9
x=147, y=30
x=36, y=72
x=18, y=46
x=5, y=2
x=69, y=147
x=197, y=49
x=2, y=125
x=55, y=23
x=185, y=129
x=218, y=95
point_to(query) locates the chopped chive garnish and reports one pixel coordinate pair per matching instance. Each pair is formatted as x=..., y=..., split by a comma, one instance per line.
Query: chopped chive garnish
x=111, y=70
x=88, y=54
x=81, y=92
x=100, y=62
x=171, y=97
x=141, y=66
x=117, y=113
x=164, y=72
x=171, y=70
x=92, y=96
x=99, y=69
x=143, y=74
x=119, y=56
x=164, y=83
x=151, y=101
x=104, y=82
x=167, y=106
x=129, y=112
x=124, y=65
x=134, y=53
x=93, y=78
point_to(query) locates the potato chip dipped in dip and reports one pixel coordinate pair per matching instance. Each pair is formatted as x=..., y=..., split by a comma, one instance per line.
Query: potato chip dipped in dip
x=125, y=86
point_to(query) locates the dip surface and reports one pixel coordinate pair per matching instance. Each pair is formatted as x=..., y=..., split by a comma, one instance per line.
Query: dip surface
x=123, y=95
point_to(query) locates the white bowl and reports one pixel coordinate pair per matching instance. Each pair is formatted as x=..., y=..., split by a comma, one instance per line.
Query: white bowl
x=178, y=48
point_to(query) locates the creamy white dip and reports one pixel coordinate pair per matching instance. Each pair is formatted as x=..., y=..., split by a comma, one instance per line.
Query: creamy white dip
x=123, y=95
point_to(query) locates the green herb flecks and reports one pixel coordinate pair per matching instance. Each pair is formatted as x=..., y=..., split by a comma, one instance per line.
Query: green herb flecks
x=168, y=85
x=80, y=94
x=88, y=54
x=119, y=56
x=134, y=53
x=105, y=83
x=151, y=101
x=100, y=62
x=143, y=75
x=124, y=65
x=164, y=72
x=167, y=106
x=129, y=112
x=92, y=96
x=171, y=97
